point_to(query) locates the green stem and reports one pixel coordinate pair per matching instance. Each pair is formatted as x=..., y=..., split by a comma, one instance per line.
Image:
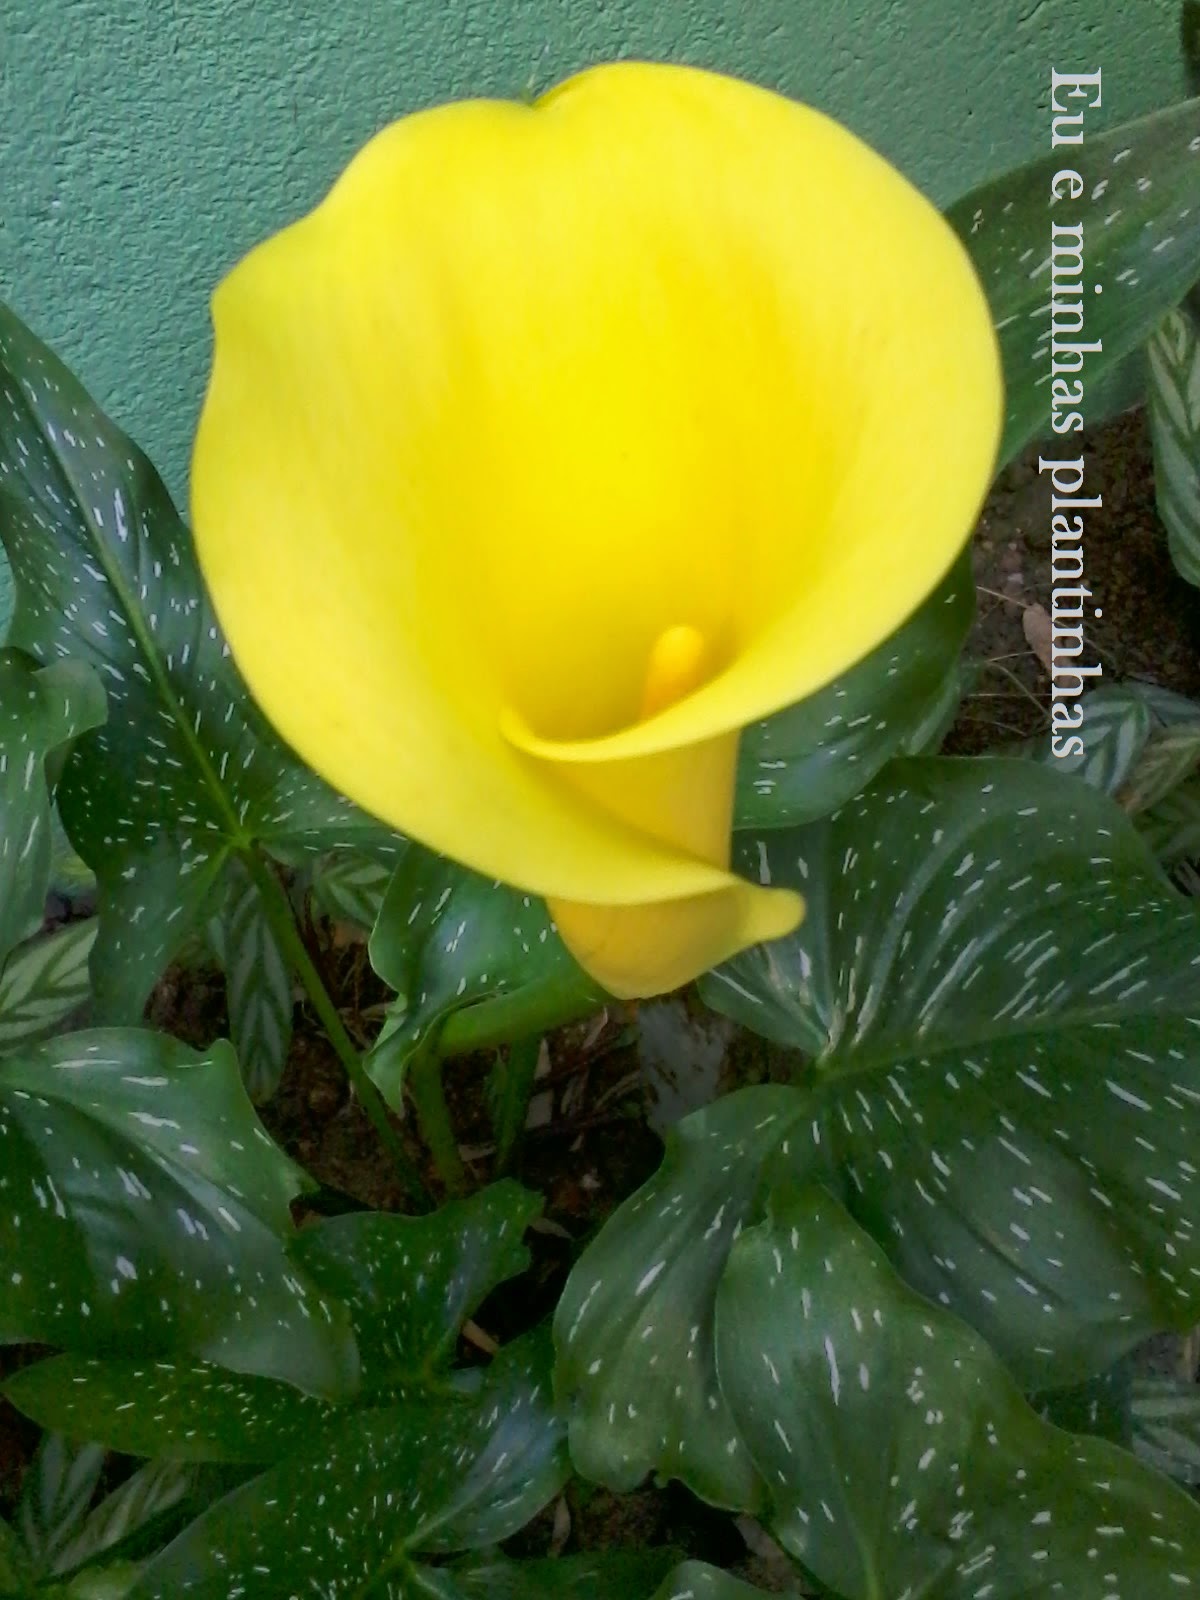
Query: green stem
x=515, y=1089
x=428, y=1095
x=283, y=925
x=532, y=1010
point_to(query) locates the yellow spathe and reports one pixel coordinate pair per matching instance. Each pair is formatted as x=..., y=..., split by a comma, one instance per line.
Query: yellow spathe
x=561, y=442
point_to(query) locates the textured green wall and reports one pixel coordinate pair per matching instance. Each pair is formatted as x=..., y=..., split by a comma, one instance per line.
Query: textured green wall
x=146, y=144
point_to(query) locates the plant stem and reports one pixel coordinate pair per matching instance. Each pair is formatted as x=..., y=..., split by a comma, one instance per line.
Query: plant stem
x=514, y=1090
x=283, y=925
x=428, y=1094
x=532, y=1010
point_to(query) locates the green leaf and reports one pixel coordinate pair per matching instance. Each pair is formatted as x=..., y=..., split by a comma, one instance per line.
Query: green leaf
x=635, y=1373
x=1117, y=727
x=139, y=1191
x=599, y=1575
x=177, y=1411
x=902, y=1458
x=1000, y=992
x=1166, y=1426
x=1101, y=1406
x=349, y=886
x=155, y=1488
x=55, y=1496
x=1171, y=827
x=695, y=1580
x=1174, y=409
x=258, y=986
x=39, y=712
x=806, y=761
x=1141, y=243
x=448, y=939
x=108, y=1583
x=1171, y=756
x=43, y=982
x=16, y=1578
x=461, y=1474
x=186, y=772
x=410, y=1283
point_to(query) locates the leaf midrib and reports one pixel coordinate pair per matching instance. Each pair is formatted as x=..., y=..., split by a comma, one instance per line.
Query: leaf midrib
x=137, y=624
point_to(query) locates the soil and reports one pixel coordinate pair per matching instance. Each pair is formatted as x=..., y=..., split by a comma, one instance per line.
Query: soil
x=592, y=1143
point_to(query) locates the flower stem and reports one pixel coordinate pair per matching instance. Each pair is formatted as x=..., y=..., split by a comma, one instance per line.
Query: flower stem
x=535, y=1009
x=428, y=1095
x=283, y=926
x=514, y=1090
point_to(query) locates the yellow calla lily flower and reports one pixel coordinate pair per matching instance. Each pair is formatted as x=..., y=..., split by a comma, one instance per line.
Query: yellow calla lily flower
x=562, y=441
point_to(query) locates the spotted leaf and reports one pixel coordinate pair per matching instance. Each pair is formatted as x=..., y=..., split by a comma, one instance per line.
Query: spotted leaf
x=901, y=1457
x=806, y=761
x=408, y=1284
x=138, y=1190
x=447, y=939
x=186, y=771
x=173, y=1410
x=1139, y=211
x=39, y=712
x=599, y=1575
x=633, y=1329
x=411, y=1282
x=364, y=1501
x=999, y=993
x=696, y=1580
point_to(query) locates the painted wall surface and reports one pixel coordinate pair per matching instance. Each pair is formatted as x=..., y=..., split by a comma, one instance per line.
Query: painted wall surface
x=146, y=144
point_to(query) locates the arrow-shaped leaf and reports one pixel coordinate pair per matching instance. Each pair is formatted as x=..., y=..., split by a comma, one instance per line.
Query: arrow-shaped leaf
x=139, y=1191
x=901, y=1457
x=39, y=712
x=1140, y=213
x=186, y=772
x=1002, y=994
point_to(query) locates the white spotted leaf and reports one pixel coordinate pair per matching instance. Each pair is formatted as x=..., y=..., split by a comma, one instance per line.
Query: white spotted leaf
x=901, y=1457
x=599, y=1575
x=40, y=711
x=186, y=772
x=805, y=761
x=1140, y=212
x=999, y=993
x=447, y=939
x=633, y=1329
x=138, y=1190
x=170, y=1409
x=367, y=1498
x=408, y=1284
